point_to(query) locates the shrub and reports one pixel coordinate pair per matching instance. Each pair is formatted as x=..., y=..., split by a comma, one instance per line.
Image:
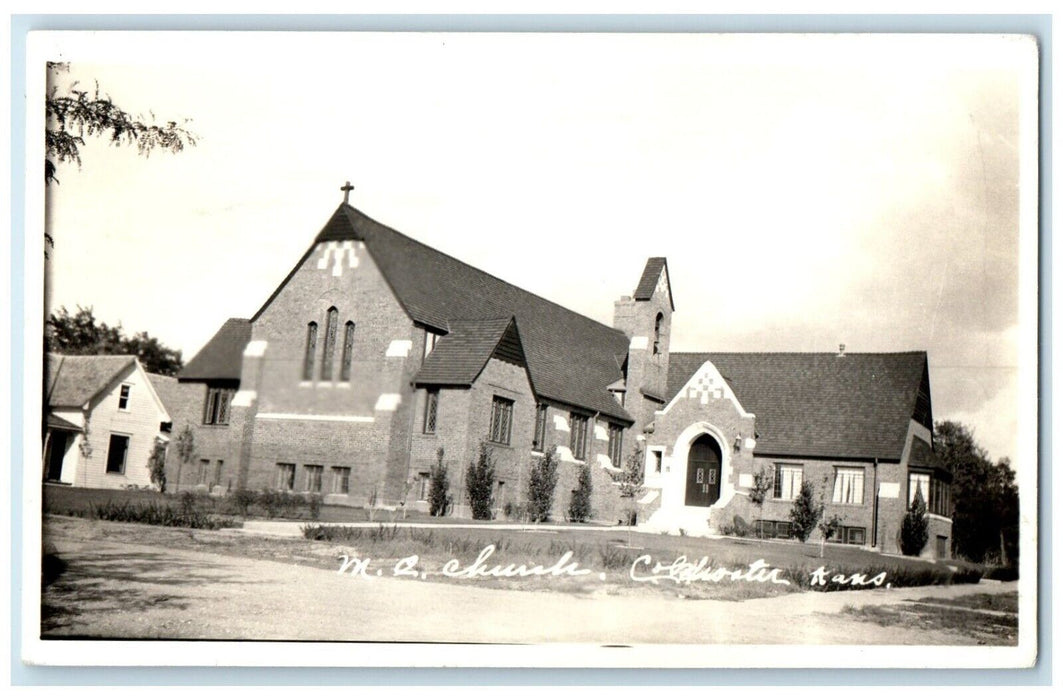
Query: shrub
x=187, y=500
x=738, y=527
x=763, y=482
x=514, y=511
x=157, y=464
x=541, y=484
x=438, y=487
x=579, y=508
x=153, y=513
x=280, y=504
x=805, y=513
x=313, y=505
x=915, y=528
x=480, y=483
x=241, y=501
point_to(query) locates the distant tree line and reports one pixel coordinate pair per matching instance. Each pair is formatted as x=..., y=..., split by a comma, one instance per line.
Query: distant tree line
x=81, y=334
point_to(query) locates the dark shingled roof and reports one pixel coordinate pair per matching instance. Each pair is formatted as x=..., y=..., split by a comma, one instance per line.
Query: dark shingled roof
x=222, y=356
x=167, y=390
x=648, y=282
x=819, y=404
x=571, y=358
x=460, y=356
x=73, y=380
x=922, y=455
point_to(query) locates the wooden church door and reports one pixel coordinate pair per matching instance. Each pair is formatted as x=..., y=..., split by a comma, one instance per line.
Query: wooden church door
x=704, y=467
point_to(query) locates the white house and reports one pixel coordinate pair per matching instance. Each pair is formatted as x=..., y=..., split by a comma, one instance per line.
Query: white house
x=102, y=417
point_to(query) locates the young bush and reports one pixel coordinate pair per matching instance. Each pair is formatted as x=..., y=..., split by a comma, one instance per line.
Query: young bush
x=438, y=487
x=480, y=483
x=579, y=508
x=157, y=465
x=805, y=513
x=915, y=528
x=241, y=501
x=541, y=484
x=313, y=505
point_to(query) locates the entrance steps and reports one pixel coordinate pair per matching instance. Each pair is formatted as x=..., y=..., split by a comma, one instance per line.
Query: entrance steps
x=680, y=521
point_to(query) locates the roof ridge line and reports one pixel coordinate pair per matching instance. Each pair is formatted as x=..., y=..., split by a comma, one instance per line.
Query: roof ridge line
x=483, y=272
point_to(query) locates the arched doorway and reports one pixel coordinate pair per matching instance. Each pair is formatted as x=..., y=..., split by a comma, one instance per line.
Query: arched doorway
x=704, y=467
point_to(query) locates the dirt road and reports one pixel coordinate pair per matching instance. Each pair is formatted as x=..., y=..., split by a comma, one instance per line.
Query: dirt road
x=123, y=590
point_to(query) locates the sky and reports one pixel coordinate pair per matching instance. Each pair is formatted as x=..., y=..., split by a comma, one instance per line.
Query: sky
x=807, y=191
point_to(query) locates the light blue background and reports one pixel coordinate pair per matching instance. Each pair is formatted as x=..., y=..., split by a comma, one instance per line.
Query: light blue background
x=1038, y=25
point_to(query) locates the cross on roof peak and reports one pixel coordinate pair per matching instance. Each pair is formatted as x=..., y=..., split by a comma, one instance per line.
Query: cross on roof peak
x=347, y=191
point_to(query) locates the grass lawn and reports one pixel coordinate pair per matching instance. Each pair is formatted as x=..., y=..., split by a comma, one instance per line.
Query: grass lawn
x=609, y=552
x=991, y=618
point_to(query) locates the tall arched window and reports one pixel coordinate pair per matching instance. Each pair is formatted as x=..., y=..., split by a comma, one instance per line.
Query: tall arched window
x=657, y=334
x=330, y=343
x=348, y=352
x=311, y=349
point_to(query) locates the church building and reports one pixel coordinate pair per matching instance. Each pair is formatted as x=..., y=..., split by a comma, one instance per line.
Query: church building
x=377, y=352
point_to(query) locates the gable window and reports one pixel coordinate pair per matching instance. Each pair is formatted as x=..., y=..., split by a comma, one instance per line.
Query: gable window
x=657, y=334
x=616, y=444
x=341, y=480
x=123, y=397
x=311, y=348
x=849, y=485
x=285, y=476
x=348, y=351
x=313, y=477
x=330, y=343
x=501, y=420
x=117, y=449
x=431, y=407
x=216, y=408
x=787, y=481
x=539, y=441
x=936, y=493
x=578, y=435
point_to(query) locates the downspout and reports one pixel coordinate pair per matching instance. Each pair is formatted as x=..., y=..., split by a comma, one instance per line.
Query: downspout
x=874, y=506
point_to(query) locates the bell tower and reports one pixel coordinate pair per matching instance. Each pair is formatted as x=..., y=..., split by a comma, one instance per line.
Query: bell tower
x=646, y=319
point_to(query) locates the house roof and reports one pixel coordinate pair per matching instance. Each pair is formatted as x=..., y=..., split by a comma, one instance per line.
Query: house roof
x=460, y=356
x=648, y=282
x=222, y=357
x=54, y=421
x=74, y=380
x=168, y=391
x=819, y=404
x=571, y=358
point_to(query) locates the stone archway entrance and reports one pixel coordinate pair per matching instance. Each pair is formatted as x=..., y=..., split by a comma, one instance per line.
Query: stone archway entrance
x=704, y=467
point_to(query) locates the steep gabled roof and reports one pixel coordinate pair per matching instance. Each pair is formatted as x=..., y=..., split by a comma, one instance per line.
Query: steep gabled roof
x=571, y=358
x=648, y=282
x=74, y=380
x=819, y=404
x=222, y=357
x=460, y=356
x=922, y=455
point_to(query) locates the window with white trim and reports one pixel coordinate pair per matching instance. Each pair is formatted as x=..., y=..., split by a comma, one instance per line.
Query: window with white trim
x=849, y=485
x=341, y=480
x=285, y=476
x=787, y=481
x=117, y=451
x=313, y=477
x=123, y=397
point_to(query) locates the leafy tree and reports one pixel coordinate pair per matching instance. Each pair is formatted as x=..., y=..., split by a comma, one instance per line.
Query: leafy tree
x=541, y=484
x=186, y=450
x=72, y=113
x=630, y=480
x=827, y=528
x=805, y=512
x=915, y=528
x=985, y=518
x=763, y=482
x=579, y=508
x=480, y=483
x=157, y=464
x=438, y=487
x=82, y=334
